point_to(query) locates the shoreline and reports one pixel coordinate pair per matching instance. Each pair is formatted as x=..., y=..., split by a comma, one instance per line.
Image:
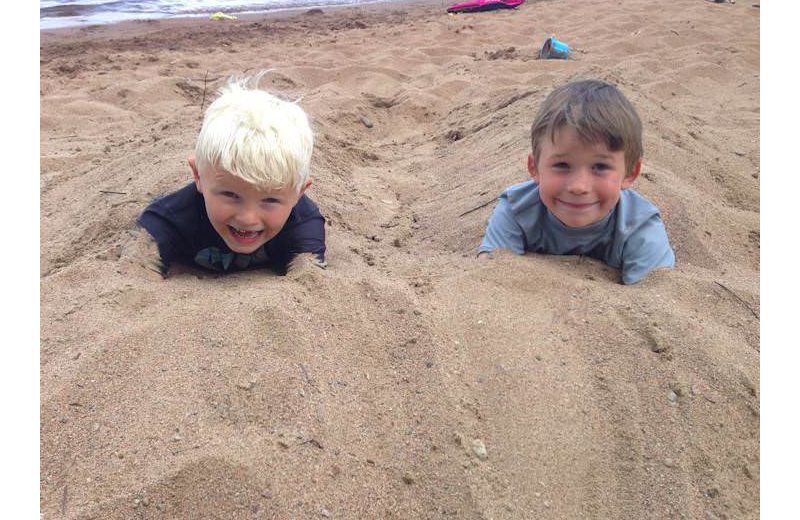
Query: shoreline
x=130, y=26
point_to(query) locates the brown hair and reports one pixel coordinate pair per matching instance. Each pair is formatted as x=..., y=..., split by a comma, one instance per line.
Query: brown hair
x=597, y=111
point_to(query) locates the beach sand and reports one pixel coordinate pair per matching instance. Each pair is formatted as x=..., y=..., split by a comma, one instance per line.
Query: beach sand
x=366, y=390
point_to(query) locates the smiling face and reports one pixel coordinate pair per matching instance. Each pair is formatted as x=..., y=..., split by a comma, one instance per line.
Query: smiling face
x=244, y=215
x=579, y=182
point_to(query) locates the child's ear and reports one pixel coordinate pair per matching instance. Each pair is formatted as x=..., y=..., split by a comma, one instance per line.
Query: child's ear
x=627, y=182
x=303, y=189
x=532, y=168
x=195, y=174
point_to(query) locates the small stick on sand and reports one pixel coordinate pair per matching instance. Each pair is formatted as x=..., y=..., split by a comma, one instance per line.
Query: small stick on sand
x=308, y=378
x=114, y=192
x=476, y=208
x=313, y=442
x=741, y=300
x=203, y=103
x=64, y=498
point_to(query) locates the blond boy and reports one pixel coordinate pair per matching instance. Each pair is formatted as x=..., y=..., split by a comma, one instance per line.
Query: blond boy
x=247, y=206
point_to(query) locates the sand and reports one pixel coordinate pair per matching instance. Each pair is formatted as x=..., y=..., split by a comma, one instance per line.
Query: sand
x=367, y=390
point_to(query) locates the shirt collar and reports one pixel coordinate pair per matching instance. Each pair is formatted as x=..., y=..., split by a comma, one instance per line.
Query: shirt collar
x=591, y=229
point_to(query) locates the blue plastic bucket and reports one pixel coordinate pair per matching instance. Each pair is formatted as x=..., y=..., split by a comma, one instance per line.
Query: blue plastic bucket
x=554, y=49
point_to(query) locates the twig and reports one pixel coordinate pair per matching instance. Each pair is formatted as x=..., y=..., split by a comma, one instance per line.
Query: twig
x=313, y=442
x=63, y=137
x=203, y=103
x=476, y=208
x=741, y=300
x=64, y=498
x=114, y=192
x=308, y=378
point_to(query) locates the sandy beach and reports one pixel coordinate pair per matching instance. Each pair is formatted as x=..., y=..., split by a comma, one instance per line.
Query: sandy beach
x=407, y=380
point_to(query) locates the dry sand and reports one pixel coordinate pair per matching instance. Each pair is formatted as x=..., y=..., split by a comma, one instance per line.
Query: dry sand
x=360, y=391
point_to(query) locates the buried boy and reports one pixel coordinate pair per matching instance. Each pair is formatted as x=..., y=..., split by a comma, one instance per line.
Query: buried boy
x=247, y=205
x=586, y=153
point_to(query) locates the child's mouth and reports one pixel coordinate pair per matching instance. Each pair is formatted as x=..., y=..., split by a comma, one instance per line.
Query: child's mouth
x=576, y=206
x=243, y=236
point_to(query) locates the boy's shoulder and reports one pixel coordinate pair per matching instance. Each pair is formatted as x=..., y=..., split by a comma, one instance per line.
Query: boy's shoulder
x=186, y=202
x=523, y=197
x=522, y=190
x=174, y=221
x=641, y=243
x=634, y=209
x=304, y=209
x=177, y=217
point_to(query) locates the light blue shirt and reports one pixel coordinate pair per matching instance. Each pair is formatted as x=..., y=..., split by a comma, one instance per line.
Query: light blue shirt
x=631, y=237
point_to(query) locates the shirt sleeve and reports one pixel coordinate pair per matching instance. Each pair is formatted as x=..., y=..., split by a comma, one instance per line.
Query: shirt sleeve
x=646, y=249
x=307, y=237
x=163, y=232
x=503, y=231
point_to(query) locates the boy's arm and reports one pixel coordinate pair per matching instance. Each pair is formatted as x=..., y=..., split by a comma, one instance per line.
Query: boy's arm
x=308, y=237
x=503, y=231
x=141, y=253
x=646, y=249
x=159, y=239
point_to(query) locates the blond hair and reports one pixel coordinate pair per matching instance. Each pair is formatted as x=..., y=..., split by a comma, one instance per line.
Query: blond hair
x=256, y=136
x=597, y=111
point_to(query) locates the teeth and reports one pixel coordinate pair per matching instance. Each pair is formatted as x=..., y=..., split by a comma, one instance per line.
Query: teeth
x=245, y=233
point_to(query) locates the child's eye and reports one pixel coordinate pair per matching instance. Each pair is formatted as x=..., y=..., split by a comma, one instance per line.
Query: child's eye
x=229, y=194
x=270, y=200
x=601, y=167
x=561, y=165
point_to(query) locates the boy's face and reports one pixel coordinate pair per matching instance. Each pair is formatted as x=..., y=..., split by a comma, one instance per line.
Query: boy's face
x=244, y=215
x=579, y=182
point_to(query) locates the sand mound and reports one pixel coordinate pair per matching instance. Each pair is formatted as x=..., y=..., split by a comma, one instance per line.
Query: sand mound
x=406, y=380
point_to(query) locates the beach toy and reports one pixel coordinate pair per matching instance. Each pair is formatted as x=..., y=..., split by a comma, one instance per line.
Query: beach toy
x=222, y=16
x=554, y=49
x=484, y=5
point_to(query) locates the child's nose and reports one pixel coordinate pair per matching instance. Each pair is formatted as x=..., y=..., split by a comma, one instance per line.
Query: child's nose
x=248, y=216
x=579, y=182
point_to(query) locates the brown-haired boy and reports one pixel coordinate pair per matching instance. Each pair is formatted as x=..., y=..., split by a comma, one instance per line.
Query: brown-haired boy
x=586, y=153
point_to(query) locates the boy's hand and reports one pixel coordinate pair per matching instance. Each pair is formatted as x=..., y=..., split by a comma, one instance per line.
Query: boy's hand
x=304, y=262
x=485, y=255
x=140, y=256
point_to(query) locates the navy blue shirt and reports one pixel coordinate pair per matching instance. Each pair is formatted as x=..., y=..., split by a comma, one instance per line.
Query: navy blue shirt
x=180, y=226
